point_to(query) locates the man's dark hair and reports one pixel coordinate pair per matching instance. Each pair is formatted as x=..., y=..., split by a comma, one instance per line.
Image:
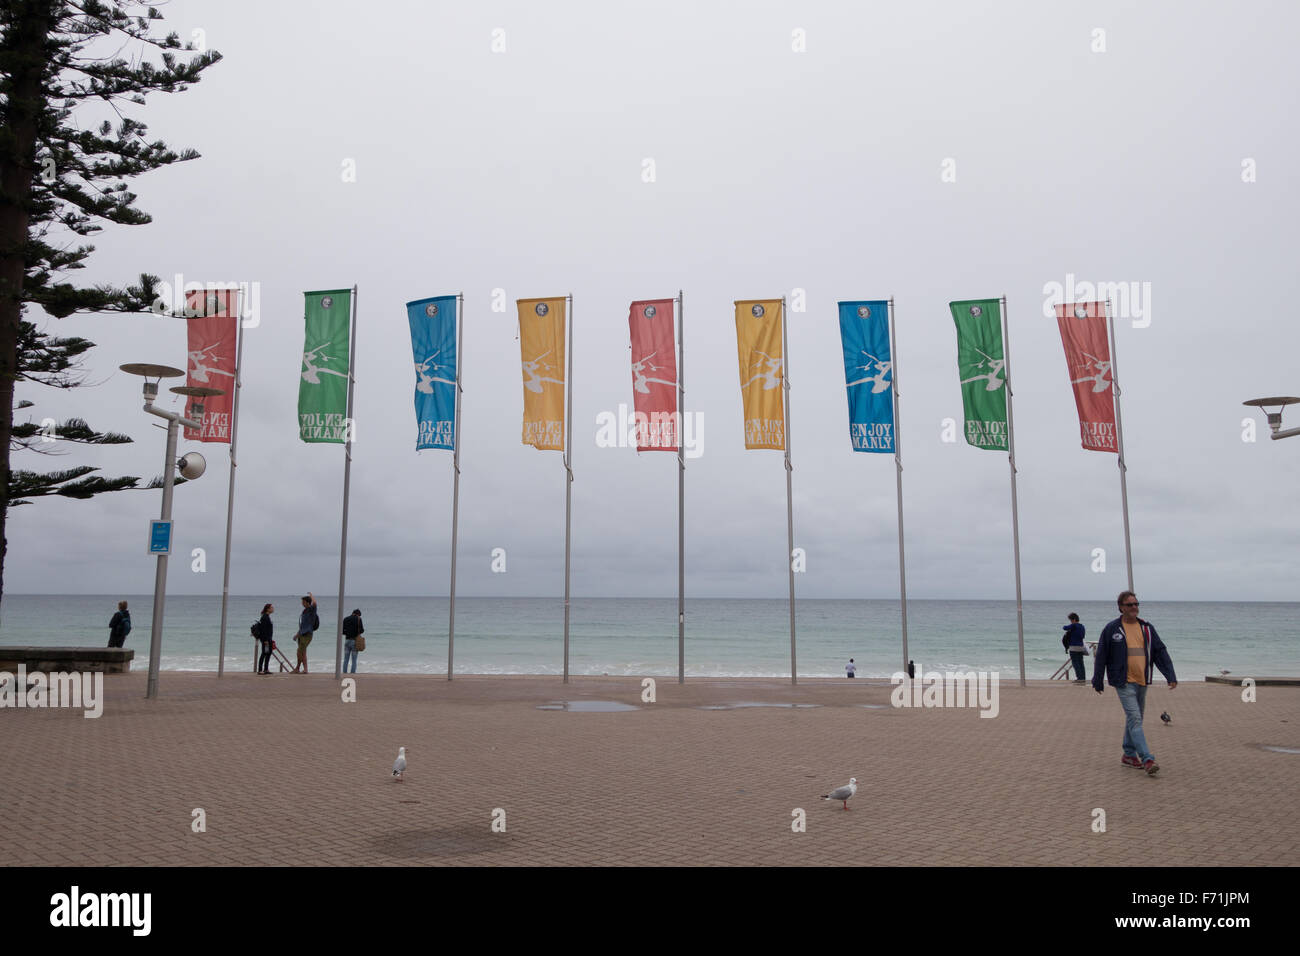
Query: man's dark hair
x=306, y=599
x=357, y=611
x=1074, y=617
x=1122, y=596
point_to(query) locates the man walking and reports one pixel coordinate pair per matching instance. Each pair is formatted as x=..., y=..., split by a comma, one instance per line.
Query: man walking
x=308, y=621
x=352, y=629
x=1074, y=632
x=1128, y=648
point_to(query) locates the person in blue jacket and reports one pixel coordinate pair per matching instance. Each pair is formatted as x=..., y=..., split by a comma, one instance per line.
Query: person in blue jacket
x=1128, y=648
x=1074, y=632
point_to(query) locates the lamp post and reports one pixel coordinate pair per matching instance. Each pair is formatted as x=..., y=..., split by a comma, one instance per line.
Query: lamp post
x=192, y=466
x=1275, y=418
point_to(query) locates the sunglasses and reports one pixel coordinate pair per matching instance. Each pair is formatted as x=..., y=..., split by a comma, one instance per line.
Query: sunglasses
x=1130, y=604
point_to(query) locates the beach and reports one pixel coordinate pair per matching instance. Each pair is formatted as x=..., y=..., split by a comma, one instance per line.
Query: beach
x=285, y=771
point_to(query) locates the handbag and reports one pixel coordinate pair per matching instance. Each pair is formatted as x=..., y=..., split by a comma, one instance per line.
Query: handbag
x=361, y=642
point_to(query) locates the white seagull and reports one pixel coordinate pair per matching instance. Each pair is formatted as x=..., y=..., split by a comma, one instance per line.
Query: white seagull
x=843, y=793
x=399, y=765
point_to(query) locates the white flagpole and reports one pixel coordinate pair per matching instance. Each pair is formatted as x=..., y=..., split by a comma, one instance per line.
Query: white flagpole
x=1119, y=436
x=789, y=486
x=568, y=485
x=347, y=482
x=230, y=495
x=1011, y=459
x=455, y=481
x=681, y=504
x=898, y=473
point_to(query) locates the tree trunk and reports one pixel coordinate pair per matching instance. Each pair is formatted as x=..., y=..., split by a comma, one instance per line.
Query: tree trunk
x=29, y=25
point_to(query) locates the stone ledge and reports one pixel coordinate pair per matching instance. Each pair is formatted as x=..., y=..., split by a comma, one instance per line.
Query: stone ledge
x=110, y=660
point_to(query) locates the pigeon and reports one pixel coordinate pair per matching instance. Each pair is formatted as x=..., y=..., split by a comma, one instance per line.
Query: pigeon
x=1164, y=715
x=843, y=793
x=399, y=765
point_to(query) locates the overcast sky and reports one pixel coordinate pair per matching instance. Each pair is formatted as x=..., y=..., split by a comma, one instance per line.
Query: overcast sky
x=775, y=170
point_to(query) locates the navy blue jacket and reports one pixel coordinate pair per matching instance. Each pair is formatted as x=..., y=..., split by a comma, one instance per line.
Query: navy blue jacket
x=1075, y=632
x=1112, y=655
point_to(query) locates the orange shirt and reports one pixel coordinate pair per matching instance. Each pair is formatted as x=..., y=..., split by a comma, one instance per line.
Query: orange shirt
x=1137, y=653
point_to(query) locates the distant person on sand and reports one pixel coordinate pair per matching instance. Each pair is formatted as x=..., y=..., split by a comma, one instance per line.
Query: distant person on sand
x=1073, y=639
x=352, y=629
x=308, y=621
x=1125, y=653
x=265, y=633
x=119, y=626
x=850, y=668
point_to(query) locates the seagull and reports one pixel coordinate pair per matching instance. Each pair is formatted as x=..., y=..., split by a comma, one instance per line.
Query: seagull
x=843, y=793
x=1166, y=718
x=399, y=765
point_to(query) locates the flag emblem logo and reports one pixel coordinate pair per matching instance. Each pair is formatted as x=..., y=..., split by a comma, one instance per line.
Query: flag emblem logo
x=650, y=311
x=430, y=310
x=327, y=301
x=542, y=308
x=976, y=311
x=864, y=312
x=1080, y=311
x=758, y=311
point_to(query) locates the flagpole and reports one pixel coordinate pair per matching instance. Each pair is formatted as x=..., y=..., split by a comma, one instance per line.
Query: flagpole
x=347, y=482
x=789, y=485
x=568, y=484
x=681, y=504
x=898, y=474
x=1119, y=435
x=455, y=481
x=230, y=495
x=1011, y=459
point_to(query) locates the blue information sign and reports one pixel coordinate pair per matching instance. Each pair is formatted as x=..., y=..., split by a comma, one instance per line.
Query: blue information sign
x=160, y=537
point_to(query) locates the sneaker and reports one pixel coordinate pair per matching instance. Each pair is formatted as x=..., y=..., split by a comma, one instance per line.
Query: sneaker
x=1131, y=762
x=1151, y=767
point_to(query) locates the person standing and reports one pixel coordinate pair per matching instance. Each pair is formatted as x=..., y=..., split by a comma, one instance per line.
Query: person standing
x=1073, y=638
x=119, y=626
x=1128, y=648
x=352, y=629
x=308, y=621
x=265, y=633
x=850, y=668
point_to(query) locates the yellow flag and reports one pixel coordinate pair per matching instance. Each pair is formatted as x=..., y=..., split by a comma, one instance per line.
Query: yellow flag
x=762, y=371
x=541, y=348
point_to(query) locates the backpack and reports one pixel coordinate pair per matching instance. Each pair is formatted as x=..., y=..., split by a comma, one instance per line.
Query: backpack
x=315, y=621
x=126, y=624
x=256, y=629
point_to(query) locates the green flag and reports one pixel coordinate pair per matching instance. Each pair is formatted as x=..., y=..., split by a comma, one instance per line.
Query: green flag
x=981, y=366
x=323, y=391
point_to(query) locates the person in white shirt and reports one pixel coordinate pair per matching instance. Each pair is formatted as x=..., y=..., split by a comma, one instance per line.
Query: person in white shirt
x=850, y=668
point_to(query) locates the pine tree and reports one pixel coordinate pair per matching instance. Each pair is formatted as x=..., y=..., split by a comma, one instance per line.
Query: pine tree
x=58, y=184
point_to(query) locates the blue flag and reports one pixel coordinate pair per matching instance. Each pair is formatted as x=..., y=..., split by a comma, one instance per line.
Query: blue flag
x=433, y=342
x=869, y=374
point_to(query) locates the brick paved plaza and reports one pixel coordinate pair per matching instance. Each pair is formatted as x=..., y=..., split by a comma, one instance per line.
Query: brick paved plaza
x=287, y=773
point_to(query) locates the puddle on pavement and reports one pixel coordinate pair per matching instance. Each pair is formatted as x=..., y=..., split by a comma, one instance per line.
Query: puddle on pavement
x=587, y=706
x=751, y=703
x=875, y=706
x=1282, y=750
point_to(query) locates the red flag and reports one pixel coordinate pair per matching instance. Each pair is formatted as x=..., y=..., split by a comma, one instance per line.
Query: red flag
x=1087, y=356
x=211, y=363
x=654, y=375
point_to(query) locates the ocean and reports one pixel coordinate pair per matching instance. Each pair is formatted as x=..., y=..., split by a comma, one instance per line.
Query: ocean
x=638, y=636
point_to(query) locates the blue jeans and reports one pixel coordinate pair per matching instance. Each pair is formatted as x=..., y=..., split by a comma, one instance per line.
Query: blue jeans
x=1077, y=660
x=1133, y=698
x=349, y=650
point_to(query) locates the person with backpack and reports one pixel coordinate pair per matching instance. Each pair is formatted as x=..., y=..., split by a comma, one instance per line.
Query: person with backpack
x=308, y=622
x=119, y=626
x=352, y=629
x=265, y=631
